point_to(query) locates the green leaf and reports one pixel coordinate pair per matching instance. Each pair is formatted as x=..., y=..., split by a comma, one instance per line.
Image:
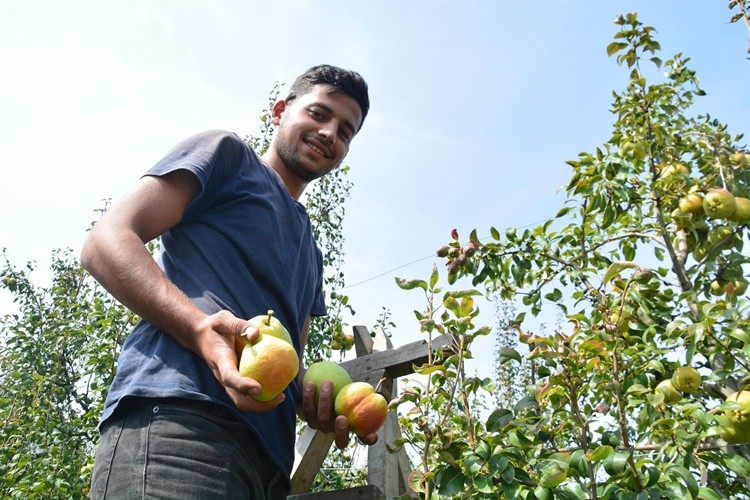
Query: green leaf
x=405, y=284
x=553, y=479
x=562, y=211
x=498, y=419
x=601, y=453
x=708, y=494
x=497, y=464
x=615, y=47
x=687, y=478
x=738, y=464
x=616, y=268
x=506, y=354
x=616, y=462
x=434, y=276
x=450, y=481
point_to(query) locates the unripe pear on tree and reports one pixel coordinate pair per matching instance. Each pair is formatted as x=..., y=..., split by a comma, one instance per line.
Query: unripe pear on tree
x=719, y=204
x=686, y=379
x=735, y=422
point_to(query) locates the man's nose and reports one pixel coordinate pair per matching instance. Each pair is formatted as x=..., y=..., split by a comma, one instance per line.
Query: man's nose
x=329, y=132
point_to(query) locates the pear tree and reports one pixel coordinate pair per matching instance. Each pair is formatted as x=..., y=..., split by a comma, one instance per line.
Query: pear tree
x=646, y=262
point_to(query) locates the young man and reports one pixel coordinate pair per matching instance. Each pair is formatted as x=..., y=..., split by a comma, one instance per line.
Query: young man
x=180, y=420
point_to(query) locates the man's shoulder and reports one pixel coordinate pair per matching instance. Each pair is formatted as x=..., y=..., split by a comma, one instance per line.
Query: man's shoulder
x=219, y=136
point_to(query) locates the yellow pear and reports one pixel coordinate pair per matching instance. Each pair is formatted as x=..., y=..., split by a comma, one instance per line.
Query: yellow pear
x=268, y=324
x=271, y=359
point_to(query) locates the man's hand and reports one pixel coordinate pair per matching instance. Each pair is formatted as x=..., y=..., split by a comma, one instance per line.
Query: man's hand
x=322, y=416
x=219, y=340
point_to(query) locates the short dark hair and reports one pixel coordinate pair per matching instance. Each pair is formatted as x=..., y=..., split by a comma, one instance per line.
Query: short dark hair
x=342, y=80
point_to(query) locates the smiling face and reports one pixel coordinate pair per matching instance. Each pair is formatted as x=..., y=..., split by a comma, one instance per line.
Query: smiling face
x=313, y=135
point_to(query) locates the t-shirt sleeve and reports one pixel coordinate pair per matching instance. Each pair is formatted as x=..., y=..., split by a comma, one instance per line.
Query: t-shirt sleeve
x=200, y=154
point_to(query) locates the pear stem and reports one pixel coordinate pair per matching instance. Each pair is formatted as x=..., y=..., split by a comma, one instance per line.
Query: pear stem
x=380, y=385
x=270, y=315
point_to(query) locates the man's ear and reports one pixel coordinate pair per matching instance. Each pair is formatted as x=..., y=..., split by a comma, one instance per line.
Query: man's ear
x=278, y=109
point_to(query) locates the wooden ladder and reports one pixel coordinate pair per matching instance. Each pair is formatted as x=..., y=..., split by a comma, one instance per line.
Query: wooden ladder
x=387, y=473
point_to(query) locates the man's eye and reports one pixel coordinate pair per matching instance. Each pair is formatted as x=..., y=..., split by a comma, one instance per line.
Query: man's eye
x=316, y=114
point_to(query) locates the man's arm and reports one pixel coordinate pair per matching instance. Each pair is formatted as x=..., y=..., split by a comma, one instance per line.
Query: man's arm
x=323, y=418
x=115, y=254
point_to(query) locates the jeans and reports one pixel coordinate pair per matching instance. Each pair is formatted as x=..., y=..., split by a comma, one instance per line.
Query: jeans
x=181, y=449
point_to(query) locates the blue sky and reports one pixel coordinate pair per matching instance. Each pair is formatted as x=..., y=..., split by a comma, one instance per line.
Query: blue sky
x=476, y=106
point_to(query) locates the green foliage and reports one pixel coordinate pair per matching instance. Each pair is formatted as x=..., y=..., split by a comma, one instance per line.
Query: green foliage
x=644, y=288
x=338, y=472
x=57, y=359
x=325, y=204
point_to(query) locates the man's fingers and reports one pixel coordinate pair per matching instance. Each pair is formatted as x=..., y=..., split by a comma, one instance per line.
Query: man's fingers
x=325, y=402
x=370, y=439
x=247, y=403
x=308, y=403
x=341, y=429
x=250, y=333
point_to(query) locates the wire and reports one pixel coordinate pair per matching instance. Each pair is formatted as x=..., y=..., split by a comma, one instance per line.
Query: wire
x=388, y=272
x=432, y=255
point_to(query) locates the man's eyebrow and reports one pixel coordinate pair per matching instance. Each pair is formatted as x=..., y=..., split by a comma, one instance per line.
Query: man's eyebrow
x=329, y=110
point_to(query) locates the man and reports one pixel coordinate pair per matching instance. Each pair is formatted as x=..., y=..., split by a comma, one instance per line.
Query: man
x=180, y=420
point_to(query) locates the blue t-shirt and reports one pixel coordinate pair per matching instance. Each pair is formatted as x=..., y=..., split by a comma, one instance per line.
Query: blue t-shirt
x=244, y=245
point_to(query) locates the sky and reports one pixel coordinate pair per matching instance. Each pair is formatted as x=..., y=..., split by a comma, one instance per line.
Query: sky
x=475, y=107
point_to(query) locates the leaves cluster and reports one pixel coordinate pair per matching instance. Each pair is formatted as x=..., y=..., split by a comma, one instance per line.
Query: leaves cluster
x=57, y=359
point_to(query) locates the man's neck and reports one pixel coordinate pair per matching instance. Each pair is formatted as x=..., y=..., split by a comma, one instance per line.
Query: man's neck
x=293, y=184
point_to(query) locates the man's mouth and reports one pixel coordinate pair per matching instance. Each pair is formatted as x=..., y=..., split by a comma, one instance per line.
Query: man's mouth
x=318, y=150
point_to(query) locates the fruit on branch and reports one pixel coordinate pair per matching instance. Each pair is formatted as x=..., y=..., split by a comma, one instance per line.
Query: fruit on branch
x=443, y=251
x=673, y=171
x=701, y=250
x=686, y=379
x=735, y=422
x=632, y=150
x=691, y=203
x=365, y=408
x=321, y=371
x=621, y=318
x=271, y=359
x=738, y=159
x=720, y=236
x=742, y=210
x=719, y=203
x=733, y=288
x=667, y=389
x=348, y=341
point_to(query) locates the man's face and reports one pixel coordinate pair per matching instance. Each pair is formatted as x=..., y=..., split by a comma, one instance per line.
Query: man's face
x=314, y=131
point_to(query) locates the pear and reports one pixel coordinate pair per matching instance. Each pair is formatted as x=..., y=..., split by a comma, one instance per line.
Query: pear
x=719, y=204
x=686, y=379
x=268, y=324
x=271, y=359
x=362, y=406
x=671, y=395
x=327, y=370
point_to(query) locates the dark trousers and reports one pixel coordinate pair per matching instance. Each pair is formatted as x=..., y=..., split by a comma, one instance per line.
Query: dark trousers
x=181, y=449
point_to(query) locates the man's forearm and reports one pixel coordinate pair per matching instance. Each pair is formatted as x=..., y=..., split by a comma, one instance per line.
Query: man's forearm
x=128, y=271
